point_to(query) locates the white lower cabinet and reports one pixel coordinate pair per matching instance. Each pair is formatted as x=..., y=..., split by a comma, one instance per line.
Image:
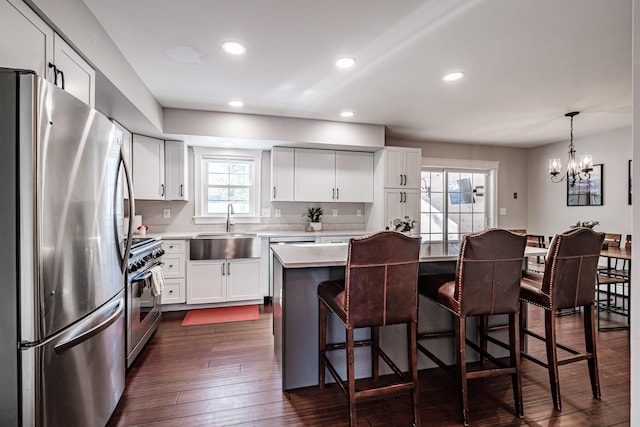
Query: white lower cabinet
x=213, y=281
x=174, y=259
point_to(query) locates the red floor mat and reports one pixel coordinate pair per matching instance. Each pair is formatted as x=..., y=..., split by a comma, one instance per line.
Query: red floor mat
x=204, y=316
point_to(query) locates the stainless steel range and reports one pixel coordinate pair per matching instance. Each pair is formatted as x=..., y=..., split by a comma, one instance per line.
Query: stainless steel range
x=143, y=308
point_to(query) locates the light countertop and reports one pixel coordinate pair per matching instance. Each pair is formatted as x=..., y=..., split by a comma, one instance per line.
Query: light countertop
x=305, y=255
x=264, y=234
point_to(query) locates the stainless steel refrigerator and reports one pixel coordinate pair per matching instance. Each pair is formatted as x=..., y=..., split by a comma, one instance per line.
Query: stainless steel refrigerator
x=62, y=317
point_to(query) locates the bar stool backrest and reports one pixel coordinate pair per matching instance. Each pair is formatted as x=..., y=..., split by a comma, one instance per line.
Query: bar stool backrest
x=488, y=272
x=381, y=284
x=571, y=266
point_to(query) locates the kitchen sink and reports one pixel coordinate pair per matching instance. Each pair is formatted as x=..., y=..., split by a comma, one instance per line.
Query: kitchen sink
x=224, y=246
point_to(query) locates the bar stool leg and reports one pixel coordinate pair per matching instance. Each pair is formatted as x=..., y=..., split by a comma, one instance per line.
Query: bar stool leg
x=484, y=331
x=552, y=356
x=514, y=353
x=375, y=344
x=322, y=343
x=412, y=348
x=351, y=379
x=461, y=362
x=590, y=341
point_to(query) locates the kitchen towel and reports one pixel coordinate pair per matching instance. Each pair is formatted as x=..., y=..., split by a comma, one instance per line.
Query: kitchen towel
x=157, y=281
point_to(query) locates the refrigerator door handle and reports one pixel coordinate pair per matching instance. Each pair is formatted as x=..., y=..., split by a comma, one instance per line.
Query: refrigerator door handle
x=93, y=330
x=131, y=204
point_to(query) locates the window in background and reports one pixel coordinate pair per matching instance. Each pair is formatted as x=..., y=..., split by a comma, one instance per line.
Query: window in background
x=228, y=181
x=453, y=203
x=223, y=177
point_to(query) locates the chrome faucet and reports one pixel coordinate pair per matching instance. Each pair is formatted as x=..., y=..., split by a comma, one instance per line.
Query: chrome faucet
x=229, y=212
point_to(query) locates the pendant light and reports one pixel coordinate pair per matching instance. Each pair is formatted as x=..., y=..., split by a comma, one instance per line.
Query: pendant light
x=576, y=171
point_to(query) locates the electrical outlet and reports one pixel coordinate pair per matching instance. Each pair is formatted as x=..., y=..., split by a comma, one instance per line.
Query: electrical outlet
x=166, y=213
x=335, y=212
x=358, y=212
x=503, y=211
x=266, y=212
x=277, y=212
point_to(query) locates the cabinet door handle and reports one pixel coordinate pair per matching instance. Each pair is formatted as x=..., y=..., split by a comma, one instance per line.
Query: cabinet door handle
x=337, y=193
x=162, y=190
x=61, y=79
x=181, y=190
x=274, y=191
x=222, y=265
x=228, y=269
x=333, y=193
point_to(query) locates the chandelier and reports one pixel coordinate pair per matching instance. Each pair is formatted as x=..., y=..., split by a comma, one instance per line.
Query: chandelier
x=576, y=171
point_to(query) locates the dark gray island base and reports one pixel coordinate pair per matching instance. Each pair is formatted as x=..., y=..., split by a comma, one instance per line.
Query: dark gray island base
x=297, y=271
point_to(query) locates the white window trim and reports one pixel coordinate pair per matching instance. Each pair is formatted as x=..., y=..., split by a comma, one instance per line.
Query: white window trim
x=201, y=153
x=492, y=179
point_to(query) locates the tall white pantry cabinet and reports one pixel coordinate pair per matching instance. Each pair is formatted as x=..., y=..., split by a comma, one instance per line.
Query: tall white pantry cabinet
x=397, y=187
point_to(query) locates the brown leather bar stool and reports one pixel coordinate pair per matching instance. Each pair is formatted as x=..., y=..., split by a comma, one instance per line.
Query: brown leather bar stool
x=380, y=288
x=568, y=281
x=487, y=282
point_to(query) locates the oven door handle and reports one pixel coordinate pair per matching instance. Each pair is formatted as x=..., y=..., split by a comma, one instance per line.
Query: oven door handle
x=143, y=276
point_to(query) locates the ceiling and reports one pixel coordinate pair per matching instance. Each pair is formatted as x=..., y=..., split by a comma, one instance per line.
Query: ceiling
x=526, y=62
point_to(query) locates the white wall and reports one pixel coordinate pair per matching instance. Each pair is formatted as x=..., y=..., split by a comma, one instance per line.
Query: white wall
x=302, y=132
x=548, y=210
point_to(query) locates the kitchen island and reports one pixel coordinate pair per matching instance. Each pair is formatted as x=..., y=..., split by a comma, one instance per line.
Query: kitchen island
x=299, y=268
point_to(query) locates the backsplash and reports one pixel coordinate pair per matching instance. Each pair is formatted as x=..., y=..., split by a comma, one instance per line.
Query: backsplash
x=291, y=217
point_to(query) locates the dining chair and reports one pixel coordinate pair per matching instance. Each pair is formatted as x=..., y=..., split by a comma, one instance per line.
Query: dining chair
x=380, y=288
x=486, y=283
x=616, y=275
x=536, y=241
x=568, y=281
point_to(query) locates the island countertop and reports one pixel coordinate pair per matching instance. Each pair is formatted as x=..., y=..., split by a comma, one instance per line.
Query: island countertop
x=304, y=255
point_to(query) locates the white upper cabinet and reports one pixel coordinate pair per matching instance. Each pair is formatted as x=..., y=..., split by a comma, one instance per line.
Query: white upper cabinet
x=74, y=74
x=333, y=176
x=159, y=169
x=282, y=174
x=175, y=171
x=354, y=176
x=402, y=167
x=148, y=168
x=315, y=175
x=27, y=42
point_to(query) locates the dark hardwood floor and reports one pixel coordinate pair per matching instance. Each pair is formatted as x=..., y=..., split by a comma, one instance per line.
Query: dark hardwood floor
x=226, y=374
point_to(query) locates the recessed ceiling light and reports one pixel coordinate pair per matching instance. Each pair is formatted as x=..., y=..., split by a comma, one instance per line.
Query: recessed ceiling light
x=236, y=103
x=227, y=144
x=346, y=114
x=457, y=75
x=345, y=62
x=234, y=48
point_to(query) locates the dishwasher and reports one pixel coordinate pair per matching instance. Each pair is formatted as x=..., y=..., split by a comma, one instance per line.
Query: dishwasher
x=288, y=240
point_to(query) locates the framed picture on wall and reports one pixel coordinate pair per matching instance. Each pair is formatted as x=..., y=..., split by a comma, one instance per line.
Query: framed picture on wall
x=586, y=192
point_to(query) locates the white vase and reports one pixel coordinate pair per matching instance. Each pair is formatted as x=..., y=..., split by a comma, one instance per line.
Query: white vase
x=316, y=226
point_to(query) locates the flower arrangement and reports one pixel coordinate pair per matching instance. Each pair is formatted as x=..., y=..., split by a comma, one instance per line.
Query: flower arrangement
x=402, y=225
x=586, y=224
x=314, y=214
